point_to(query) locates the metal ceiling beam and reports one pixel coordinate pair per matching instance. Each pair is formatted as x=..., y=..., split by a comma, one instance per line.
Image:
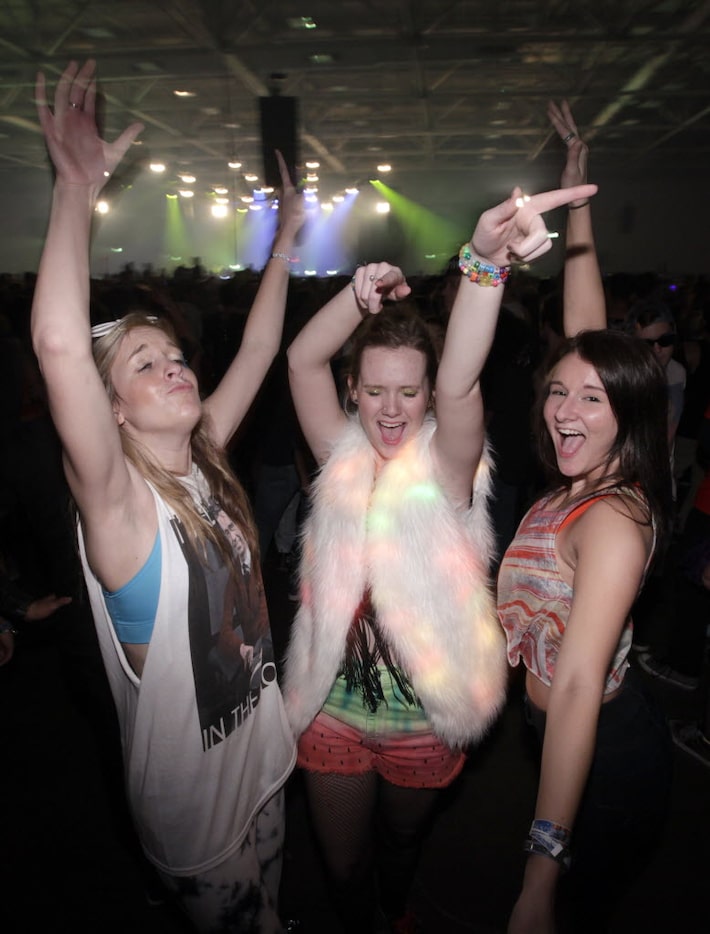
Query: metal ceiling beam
x=679, y=129
x=690, y=26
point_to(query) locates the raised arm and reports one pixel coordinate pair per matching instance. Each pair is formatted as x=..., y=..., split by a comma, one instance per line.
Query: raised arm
x=512, y=231
x=583, y=293
x=313, y=388
x=260, y=343
x=94, y=463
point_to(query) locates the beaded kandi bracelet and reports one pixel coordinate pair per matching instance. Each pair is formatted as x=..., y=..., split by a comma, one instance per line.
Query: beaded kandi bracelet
x=479, y=272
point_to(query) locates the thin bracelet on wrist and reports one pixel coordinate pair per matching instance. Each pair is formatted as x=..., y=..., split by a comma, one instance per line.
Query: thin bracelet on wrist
x=284, y=256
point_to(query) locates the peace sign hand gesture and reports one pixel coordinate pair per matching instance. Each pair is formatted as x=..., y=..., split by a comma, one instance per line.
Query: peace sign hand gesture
x=575, y=170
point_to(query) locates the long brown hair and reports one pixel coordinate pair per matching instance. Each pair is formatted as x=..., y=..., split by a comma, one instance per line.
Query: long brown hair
x=211, y=459
x=638, y=394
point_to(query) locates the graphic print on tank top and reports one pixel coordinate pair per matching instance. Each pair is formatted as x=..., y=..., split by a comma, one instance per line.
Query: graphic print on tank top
x=230, y=640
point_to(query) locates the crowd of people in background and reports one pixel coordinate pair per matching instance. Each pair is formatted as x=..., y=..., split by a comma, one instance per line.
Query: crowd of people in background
x=209, y=311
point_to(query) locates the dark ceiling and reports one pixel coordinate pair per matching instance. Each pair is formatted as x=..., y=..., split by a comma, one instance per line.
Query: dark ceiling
x=426, y=85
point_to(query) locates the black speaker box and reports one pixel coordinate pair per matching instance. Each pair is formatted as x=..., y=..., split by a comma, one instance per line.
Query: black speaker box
x=279, y=118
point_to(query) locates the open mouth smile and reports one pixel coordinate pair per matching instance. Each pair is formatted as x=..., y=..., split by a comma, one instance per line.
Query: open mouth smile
x=570, y=441
x=391, y=432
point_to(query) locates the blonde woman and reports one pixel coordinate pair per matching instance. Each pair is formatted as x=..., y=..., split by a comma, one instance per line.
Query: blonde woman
x=165, y=533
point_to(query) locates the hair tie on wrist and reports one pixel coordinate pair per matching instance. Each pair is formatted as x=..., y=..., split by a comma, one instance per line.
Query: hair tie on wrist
x=479, y=272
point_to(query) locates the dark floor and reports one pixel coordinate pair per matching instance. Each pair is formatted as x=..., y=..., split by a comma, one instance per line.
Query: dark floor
x=66, y=865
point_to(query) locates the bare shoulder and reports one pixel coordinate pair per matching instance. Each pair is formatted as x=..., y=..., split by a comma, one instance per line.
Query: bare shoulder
x=616, y=528
x=619, y=514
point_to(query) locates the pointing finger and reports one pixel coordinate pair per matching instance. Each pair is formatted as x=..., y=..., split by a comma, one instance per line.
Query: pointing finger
x=548, y=200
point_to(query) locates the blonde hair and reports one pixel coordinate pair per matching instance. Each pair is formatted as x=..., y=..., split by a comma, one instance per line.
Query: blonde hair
x=211, y=459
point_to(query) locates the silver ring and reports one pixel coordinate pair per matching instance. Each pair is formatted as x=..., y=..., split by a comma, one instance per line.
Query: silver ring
x=371, y=278
x=75, y=106
x=569, y=137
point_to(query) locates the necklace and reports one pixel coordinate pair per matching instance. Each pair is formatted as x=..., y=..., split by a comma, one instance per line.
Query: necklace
x=196, y=485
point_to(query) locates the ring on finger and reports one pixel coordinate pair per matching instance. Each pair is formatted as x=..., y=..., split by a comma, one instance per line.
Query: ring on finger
x=569, y=136
x=74, y=105
x=371, y=278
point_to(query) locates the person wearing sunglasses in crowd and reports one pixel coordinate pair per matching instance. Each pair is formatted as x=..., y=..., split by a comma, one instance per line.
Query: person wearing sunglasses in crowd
x=654, y=323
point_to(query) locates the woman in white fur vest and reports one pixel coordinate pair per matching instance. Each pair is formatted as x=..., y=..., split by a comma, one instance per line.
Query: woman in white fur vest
x=396, y=662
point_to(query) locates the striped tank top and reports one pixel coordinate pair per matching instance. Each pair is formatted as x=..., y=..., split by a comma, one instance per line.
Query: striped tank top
x=534, y=601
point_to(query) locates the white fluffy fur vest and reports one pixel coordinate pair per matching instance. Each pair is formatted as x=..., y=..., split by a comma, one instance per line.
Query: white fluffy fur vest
x=427, y=566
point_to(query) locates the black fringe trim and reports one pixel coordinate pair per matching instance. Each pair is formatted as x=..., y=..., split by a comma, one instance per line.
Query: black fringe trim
x=360, y=667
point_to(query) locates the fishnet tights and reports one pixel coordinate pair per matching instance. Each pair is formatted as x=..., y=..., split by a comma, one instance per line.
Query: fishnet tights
x=369, y=832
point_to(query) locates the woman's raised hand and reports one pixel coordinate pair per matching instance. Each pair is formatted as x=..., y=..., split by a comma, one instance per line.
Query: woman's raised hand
x=575, y=170
x=514, y=231
x=375, y=282
x=79, y=154
x=292, y=212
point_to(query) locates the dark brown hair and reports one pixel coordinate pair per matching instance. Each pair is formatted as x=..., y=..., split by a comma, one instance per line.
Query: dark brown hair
x=638, y=394
x=395, y=326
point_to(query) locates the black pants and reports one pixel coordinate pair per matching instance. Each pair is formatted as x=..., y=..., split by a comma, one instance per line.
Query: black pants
x=622, y=814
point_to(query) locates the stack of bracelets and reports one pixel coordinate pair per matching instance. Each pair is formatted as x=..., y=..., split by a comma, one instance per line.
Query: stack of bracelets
x=478, y=271
x=549, y=839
